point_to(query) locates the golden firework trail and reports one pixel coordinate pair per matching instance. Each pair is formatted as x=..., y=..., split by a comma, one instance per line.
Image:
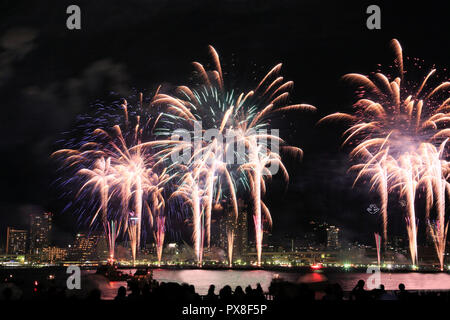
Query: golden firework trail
x=230, y=243
x=391, y=120
x=159, y=235
x=406, y=175
x=246, y=117
x=194, y=195
x=434, y=178
x=132, y=234
x=120, y=166
x=112, y=234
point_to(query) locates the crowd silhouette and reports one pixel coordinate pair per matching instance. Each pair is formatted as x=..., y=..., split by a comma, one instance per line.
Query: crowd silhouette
x=279, y=291
x=167, y=292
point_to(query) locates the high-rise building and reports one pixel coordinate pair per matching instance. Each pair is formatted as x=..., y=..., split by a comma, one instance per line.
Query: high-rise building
x=40, y=227
x=16, y=241
x=398, y=243
x=53, y=254
x=88, y=247
x=315, y=234
x=332, y=237
x=228, y=223
x=241, y=240
x=102, y=249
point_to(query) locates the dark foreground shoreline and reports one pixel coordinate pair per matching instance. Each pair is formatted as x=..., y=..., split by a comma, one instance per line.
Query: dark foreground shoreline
x=174, y=311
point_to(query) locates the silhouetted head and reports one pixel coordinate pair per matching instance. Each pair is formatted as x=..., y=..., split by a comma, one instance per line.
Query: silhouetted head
x=361, y=284
x=238, y=290
x=382, y=287
x=225, y=292
x=401, y=286
x=122, y=292
x=211, y=289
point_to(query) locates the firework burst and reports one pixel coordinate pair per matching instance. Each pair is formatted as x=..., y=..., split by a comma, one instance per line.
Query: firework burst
x=244, y=117
x=116, y=165
x=391, y=122
x=434, y=176
x=194, y=195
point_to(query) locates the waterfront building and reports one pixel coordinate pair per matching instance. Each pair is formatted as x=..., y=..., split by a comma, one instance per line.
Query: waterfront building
x=55, y=254
x=16, y=241
x=241, y=239
x=40, y=227
x=332, y=237
x=88, y=247
x=228, y=223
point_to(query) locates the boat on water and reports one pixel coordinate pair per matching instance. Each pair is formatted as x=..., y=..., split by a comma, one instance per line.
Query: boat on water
x=141, y=278
x=111, y=272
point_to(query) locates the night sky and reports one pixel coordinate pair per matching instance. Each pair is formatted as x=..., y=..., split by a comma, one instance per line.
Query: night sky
x=49, y=75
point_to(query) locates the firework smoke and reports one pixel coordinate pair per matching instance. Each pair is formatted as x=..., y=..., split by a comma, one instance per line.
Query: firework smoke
x=391, y=122
x=245, y=117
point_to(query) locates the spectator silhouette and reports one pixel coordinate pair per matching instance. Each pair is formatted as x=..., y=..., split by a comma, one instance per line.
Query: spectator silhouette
x=121, y=294
x=211, y=296
x=402, y=294
x=194, y=295
x=249, y=295
x=135, y=292
x=225, y=294
x=239, y=295
x=384, y=295
x=248, y=290
x=358, y=292
x=259, y=289
x=377, y=292
x=259, y=293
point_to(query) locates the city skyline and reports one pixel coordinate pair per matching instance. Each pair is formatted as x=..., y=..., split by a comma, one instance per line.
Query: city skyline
x=321, y=245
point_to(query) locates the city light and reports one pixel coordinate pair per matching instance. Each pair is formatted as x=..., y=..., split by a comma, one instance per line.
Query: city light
x=317, y=266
